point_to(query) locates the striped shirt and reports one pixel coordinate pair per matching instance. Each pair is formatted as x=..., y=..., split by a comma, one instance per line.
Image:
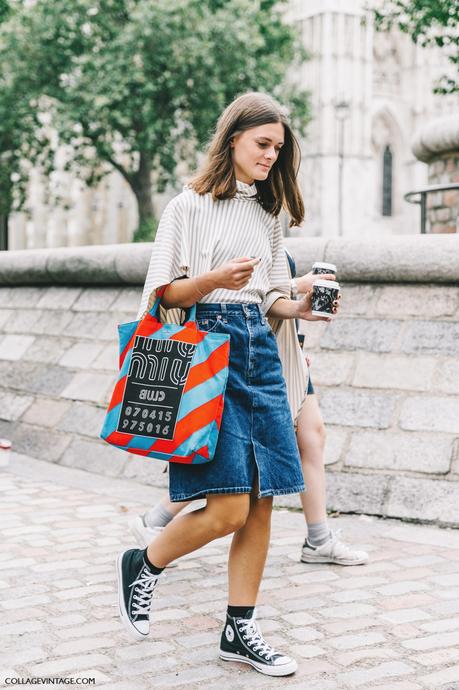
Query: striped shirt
x=197, y=234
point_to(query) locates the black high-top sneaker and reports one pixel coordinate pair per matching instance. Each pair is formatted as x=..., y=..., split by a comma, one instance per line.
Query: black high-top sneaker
x=136, y=584
x=242, y=641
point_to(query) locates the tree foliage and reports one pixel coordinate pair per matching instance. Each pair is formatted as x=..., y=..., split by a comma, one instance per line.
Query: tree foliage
x=429, y=23
x=138, y=85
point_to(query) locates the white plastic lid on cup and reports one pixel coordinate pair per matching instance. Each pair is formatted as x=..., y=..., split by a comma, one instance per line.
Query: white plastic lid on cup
x=326, y=283
x=328, y=267
x=5, y=444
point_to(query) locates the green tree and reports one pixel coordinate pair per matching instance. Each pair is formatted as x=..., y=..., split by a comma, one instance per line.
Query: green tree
x=137, y=85
x=429, y=23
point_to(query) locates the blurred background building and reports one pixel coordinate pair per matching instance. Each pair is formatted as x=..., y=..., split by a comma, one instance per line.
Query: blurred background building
x=370, y=92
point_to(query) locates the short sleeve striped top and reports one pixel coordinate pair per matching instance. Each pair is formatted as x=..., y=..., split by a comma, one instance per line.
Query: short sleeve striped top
x=197, y=234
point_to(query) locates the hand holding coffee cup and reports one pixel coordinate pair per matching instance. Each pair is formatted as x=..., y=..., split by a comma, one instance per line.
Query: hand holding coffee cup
x=325, y=298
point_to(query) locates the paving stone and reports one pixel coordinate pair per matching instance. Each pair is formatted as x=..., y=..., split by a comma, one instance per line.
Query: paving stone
x=69, y=622
x=96, y=299
x=13, y=347
x=83, y=419
x=92, y=325
x=354, y=641
x=13, y=406
x=89, y=386
x=444, y=676
x=80, y=355
x=58, y=297
x=38, y=443
x=46, y=412
x=376, y=673
x=448, y=639
x=108, y=359
x=95, y=457
x=45, y=349
x=128, y=300
x=34, y=377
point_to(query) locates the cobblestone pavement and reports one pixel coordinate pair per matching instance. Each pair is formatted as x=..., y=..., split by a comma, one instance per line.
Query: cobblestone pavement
x=390, y=625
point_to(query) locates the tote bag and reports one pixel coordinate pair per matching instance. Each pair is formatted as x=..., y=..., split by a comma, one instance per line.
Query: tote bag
x=169, y=397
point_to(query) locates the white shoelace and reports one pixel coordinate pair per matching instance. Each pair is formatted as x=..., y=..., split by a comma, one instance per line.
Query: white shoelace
x=251, y=632
x=143, y=596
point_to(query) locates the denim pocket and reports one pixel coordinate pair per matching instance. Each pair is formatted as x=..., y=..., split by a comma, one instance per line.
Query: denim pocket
x=210, y=325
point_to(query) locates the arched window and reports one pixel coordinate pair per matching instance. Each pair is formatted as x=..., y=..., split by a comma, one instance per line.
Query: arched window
x=387, y=182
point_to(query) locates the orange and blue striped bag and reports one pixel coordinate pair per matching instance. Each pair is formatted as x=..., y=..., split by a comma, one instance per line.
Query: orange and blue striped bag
x=169, y=397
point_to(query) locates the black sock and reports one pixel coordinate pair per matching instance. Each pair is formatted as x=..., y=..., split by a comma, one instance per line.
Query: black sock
x=154, y=569
x=240, y=611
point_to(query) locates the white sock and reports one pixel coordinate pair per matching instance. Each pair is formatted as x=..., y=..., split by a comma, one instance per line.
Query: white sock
x=157, y=516
x=318, y=533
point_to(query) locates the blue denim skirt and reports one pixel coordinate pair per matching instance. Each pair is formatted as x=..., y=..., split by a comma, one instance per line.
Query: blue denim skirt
x=257, y=444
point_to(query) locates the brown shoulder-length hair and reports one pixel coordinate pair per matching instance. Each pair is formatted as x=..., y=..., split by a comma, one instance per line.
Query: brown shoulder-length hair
x=280, y=189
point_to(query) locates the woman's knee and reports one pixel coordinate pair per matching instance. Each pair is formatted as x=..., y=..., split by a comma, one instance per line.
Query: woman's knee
x=228, y=516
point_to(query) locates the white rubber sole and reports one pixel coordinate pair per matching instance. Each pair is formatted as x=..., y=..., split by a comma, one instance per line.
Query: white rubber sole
x=324, y=559
x=284, y=670
x=126, y=621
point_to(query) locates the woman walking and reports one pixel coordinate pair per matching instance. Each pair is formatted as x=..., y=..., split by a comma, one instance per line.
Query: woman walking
x=222, y=236
x=321, y=544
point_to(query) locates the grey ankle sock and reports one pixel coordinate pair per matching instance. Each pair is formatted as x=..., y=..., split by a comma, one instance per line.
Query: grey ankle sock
x=157, y=516
x=318, y=533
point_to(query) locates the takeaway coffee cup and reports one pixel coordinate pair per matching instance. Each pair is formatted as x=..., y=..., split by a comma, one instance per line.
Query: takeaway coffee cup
x=320, y=268
x=324, y=293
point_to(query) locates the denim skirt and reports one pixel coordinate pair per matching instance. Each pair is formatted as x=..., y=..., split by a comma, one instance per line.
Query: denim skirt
x=257, y=443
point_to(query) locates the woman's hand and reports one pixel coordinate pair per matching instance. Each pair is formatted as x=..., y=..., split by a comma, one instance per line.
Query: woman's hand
x=305, y=283
x=234, y=274
x=304, y=308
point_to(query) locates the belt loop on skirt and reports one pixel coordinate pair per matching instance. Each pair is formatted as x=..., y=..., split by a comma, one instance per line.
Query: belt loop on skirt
x=246, y=311
x=224, y=309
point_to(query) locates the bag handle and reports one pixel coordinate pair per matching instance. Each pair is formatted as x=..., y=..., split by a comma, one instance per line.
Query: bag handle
x=190, y=312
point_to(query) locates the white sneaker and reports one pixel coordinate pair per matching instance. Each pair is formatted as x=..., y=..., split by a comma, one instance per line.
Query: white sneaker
x=333, y=551
x=143, y=534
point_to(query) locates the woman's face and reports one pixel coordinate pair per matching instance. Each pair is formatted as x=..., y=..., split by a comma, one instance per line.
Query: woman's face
x=256, y=150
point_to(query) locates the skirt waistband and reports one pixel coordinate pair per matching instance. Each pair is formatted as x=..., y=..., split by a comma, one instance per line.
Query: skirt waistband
x=229, y=309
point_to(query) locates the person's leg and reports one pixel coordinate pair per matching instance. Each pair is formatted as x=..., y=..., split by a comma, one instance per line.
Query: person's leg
x=247, y=556
x=242, y=640
x=311, y=443
x=321, y=545
x=139, y=569
x=163, y=512
x=222, y=515
x=147, y=526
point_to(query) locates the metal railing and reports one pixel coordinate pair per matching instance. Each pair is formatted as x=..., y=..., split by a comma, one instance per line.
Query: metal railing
x=422, y=199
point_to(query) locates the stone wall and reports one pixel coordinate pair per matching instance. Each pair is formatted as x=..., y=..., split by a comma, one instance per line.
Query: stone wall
x=386, y=370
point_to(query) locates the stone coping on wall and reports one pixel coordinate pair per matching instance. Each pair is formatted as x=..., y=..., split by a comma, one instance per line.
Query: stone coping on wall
x=400, y=259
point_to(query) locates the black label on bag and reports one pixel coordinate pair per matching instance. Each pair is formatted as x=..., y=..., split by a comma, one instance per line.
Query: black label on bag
x=158, y=371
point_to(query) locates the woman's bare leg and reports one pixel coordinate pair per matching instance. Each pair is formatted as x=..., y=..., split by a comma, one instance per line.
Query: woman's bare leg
x=223, y=514
x=311, y=443
x=248, y=552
